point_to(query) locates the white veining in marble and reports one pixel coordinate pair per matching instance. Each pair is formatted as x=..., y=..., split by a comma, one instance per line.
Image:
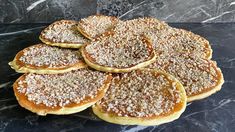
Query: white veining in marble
x=133, y=129
x=171, y=11
x=8, y=99
x=134, y=8
x=213, y=18
x=20, y=31
x=5, y=84
x=232, y=3
x=33, y=5
x=8, y=107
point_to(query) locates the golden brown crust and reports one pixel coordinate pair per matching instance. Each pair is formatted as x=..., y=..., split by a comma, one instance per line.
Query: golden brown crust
x=173, y=40
x=200, y=77
x=84, y=27
x=90, y=61
x=64, y=43
x=209, y=91
x=146, y=121
x=22, y=67
x=207, y=47
x=43, y=110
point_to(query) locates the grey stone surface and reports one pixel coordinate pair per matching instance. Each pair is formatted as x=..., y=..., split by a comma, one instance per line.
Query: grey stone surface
x=171, y=10
x=46, y=11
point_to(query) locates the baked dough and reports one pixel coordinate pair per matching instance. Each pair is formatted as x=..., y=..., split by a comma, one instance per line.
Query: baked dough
x=117, y=54
x=45, y=59
x=95, y=25
x=142, y=97
x=64, y=34
x=61, y=94
x=200, y=77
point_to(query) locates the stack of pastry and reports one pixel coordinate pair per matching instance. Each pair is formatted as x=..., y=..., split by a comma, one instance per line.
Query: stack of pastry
x=133, y=72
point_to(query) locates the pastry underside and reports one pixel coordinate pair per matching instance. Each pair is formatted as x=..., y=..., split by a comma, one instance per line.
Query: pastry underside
x=95, y=25
x=114, y=107
x=64, y=34
x=42, y=109
x=22, y=67
x=118, y=57
x=200, y=77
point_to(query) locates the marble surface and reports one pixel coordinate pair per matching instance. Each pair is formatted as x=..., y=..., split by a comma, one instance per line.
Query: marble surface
x=44, y=11
x=215, y=114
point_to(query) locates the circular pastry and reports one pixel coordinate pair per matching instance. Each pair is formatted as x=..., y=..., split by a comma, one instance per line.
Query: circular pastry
x=114, y=53
x=173, y=40
x=63, y=33
x=139, y=26
x=200, y=77
x=165, y=38
x=45, y=59
x=95, y=25
x=142, y=97
x=61, y=94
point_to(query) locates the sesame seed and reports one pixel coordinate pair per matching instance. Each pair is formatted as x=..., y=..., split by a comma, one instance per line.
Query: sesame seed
x=196, y=74
x=63, y=31
x=62, y=89
x=119, y=51
x=97, y=24
x=132, y=97
x=44, y=55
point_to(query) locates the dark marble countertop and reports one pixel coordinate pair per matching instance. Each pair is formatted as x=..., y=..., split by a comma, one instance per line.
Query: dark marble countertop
x=216, y=113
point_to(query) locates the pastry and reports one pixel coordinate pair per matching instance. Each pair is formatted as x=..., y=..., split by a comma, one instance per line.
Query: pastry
x=200, y=77
x=142, y=97
x=115, y=53
x=63, y=33
x=93, y=26
x=61, y=94
x=45, y=59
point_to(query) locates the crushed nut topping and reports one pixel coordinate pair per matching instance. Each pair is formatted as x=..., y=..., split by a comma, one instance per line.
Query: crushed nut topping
x=141, y=94
x=196, y=74
x=178, y=40
x=97, y=24
x=139, y=26
x=62, y=89
x=63, y=31
x=165, y=38
x=117, y=51
x=44, y=55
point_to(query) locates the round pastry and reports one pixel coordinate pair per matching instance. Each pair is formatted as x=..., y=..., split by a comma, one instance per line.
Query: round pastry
x=173, y=40
x=139, y=26
x=200, y=77
x=116, y=53
x=45, y=59
x=63, y=33
x=61, y=94
x=142, y=97
x=165, y=38
x=95, y=25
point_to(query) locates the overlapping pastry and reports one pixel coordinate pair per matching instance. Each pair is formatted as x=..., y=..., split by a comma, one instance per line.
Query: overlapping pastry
x=139, y=26
x=114, y=53
x=142, y=97
x=61, y=94
x=45, y=59
x=63, y=33
x=173, y=40
x=165, y=38
x=200, y=77
x=58, y=81
x=93, y=26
